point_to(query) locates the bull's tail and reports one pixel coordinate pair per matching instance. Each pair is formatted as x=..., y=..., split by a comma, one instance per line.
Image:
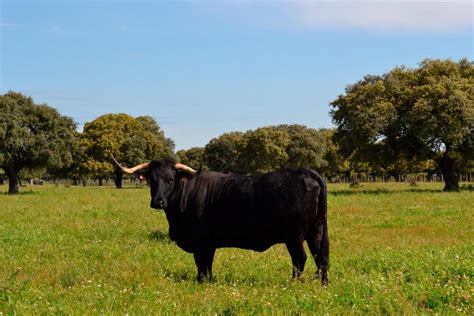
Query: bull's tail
x=323, y=194
x=318, y=240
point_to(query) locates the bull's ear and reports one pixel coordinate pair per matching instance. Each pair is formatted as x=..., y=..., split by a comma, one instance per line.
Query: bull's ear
x=183, y=176
x=310, y=184
x=142, y=174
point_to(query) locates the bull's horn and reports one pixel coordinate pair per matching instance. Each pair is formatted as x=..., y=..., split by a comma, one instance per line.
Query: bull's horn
x=131, y=170
x=184, y=168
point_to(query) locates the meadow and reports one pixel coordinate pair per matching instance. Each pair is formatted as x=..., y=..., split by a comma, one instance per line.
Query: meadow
x=98, y=250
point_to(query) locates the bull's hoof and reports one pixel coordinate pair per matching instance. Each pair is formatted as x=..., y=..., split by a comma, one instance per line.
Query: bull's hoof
x=324, y=279
x=323, y=274
x=205, y=279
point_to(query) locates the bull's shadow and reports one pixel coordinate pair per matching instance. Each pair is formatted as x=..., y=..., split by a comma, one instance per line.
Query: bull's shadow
x=180, y=276
x=232, y=279
x=158, y=235
x=227, y=278
x=28, y=192
x=380, y=191
x=136, y=187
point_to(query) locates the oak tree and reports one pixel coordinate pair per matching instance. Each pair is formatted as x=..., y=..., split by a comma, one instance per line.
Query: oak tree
x=265, y=149
x=193, y=157
x=412, y=114
x=130, y=140
x=32, y=136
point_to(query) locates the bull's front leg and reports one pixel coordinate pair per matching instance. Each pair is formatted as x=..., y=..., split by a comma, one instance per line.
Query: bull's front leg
x=203, y=260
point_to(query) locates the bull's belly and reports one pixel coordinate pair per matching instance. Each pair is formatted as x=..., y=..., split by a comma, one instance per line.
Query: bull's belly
x=258, y=235
x=260, y=247
x=252, y=241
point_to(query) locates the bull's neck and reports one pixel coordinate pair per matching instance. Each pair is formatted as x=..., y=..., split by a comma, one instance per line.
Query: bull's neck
x=174, y=199
x=172, y=211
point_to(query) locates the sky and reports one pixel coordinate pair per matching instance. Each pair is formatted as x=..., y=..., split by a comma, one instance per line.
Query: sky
x=203, y=68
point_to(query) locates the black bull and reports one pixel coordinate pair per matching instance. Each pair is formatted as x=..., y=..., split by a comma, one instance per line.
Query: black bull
x=211, y=210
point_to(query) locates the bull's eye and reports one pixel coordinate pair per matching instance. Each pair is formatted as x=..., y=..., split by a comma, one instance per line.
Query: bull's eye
x=169, y=181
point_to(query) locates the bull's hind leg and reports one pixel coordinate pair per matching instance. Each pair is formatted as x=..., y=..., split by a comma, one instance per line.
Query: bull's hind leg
x=203, y=260
x=318, y=244
x=298, y=256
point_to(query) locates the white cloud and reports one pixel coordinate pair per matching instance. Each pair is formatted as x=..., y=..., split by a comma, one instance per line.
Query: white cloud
x=384, y=15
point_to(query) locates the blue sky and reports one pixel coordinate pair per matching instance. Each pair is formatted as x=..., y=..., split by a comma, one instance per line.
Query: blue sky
x=202, y=68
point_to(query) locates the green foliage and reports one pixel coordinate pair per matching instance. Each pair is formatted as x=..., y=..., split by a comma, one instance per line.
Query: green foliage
x=339, y=165
x=336, y=163
x=412, y=115
x=266, y=149
x=94, y=250
x=74, y=170
x=130, y=140
x=306, y=148
x=193, y=157
x=157, y=145
x=33, y=136
x=222, y=153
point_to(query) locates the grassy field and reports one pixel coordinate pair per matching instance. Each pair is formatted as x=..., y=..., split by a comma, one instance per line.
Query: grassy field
x=93, y=250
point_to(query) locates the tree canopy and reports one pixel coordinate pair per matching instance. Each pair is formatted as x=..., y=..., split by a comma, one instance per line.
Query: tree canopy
x=130, y=140
x=265, y=149
x=411, y=114
x=222, y=153
x=32, y=136
x=193, y=157
x=336, y=163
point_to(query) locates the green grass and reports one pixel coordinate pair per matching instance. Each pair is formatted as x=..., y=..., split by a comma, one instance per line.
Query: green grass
x=94, y=250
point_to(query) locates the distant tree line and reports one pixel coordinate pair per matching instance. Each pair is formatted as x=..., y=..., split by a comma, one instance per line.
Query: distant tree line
x=407, y=121
x=37, y=141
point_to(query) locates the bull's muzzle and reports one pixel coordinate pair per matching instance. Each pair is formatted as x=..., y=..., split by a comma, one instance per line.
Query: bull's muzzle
x=158, y=203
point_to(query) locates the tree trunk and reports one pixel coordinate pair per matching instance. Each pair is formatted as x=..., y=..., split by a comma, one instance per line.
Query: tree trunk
x=101, y=181
x=448, y=168
x=13, y=181
x=118, y=179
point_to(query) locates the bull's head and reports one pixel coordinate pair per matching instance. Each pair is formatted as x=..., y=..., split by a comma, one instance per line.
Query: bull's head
x=163, y=176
